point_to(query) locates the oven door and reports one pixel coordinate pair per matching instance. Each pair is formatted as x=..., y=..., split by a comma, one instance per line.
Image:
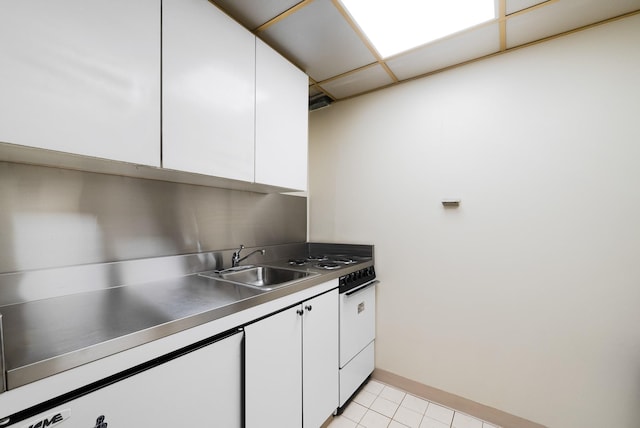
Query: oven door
x=357, y=320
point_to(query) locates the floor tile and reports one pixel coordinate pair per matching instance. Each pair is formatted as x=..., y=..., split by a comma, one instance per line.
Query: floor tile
x=342, y=422
x=439, y=413
x=392, y=394
x=414, y=403
x=373, y=387
x=373, y=419
x=354, y=411
x=460, y=420
x=408, y=417
x=379, y=405
x=384, y=406
x=432, y=423
x=365, y=398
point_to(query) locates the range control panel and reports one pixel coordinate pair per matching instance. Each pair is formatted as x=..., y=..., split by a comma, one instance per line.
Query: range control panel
x=354, y=279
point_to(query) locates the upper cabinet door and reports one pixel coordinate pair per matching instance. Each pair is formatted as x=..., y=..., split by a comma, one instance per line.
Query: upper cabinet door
x=281, y=120
x=82, y=76
x=208, y=98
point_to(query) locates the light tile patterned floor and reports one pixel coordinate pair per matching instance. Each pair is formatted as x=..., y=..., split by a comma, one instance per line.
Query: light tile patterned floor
x=381, y=406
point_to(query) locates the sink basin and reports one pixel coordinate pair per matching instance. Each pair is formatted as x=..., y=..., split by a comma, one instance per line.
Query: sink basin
x=261, y=277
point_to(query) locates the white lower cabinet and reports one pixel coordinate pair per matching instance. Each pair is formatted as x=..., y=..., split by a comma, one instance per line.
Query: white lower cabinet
x=291, y=365
x=200, y=388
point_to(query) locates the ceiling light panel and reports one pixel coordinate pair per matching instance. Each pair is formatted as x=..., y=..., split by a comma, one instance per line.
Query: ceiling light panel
x=394, y=27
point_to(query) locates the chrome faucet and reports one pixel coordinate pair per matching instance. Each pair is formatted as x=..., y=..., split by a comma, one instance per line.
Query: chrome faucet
x=235, y=259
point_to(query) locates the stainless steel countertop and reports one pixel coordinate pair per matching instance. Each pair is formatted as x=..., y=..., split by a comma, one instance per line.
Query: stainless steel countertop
x=49, y=336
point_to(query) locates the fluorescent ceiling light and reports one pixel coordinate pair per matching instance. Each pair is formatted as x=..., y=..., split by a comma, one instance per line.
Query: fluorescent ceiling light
x=394, y=26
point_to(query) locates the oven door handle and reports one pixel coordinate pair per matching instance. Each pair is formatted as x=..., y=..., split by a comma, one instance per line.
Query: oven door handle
x=362, y=287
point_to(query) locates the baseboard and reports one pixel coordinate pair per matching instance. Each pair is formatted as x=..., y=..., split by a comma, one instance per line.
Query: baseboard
x=456, y=402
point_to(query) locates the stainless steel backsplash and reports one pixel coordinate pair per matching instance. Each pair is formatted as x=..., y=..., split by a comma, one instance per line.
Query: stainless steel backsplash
x=53, y=217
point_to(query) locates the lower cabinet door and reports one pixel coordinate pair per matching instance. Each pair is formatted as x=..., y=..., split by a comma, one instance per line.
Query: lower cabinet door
x=320, y=358
x=200, y=389
x=273, y=371
x=291, y=366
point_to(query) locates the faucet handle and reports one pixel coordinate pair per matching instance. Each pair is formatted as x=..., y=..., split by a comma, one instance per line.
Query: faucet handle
x=235, y=258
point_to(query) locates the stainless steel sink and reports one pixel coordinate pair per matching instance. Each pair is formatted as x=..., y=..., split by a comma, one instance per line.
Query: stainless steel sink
x=260, y=277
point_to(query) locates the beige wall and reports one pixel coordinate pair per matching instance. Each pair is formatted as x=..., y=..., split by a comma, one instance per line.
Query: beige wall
x=527, y=297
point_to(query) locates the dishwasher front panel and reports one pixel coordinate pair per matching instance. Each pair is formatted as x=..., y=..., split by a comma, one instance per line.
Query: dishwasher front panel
x=202, y=387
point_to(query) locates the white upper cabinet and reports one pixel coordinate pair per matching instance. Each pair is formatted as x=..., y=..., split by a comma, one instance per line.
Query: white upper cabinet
x=175, y=84
x=82, y=77
x=281, y=120
x=208, y=96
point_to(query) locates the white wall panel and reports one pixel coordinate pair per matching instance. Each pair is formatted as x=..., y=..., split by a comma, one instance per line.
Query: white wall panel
x=527, y=295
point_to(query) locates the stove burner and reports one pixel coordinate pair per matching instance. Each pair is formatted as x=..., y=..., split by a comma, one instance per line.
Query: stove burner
x=298, y=262
x=343, y=260
x=329, y=265
x=317, y=258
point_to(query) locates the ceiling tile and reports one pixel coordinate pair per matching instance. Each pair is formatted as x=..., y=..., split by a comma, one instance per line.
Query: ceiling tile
x=313, y=90
x=561, y=16
x=464, y=46
x=357, y=82
x=514, y=6
x=253, y=14
x=319, y=40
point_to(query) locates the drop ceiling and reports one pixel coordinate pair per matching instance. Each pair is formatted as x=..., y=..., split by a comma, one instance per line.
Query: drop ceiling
x=321, y=38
